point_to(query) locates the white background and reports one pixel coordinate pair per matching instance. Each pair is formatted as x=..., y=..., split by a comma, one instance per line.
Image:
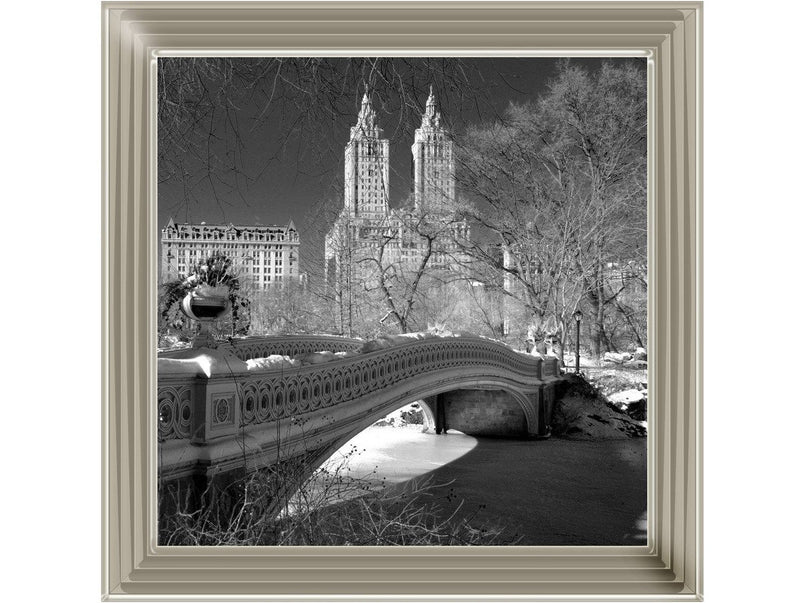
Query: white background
x=50, y=144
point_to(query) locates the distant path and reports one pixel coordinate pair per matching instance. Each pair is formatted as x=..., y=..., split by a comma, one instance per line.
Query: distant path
x=551, y=492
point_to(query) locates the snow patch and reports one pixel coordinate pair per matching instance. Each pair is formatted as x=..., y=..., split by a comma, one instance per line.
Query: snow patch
x=274, y=361
x=383, y=342
x=316, y=357
x=616, y=358
x=628, y=396
x=201, y=361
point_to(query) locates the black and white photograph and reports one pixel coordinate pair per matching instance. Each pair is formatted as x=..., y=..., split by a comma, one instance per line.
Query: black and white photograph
x=402, y=301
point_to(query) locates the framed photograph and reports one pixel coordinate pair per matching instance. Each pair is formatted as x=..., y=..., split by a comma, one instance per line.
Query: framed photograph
x=402, y=300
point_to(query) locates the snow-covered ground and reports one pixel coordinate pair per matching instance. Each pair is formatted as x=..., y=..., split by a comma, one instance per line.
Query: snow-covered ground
x=616, y=407
x=397, y=454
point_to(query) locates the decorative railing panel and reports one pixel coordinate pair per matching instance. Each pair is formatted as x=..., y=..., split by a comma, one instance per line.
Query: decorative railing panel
x=297, y=345
x=279, y=394
x=175, y=411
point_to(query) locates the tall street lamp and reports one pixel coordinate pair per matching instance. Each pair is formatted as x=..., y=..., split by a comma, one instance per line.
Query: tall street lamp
x=577, y=315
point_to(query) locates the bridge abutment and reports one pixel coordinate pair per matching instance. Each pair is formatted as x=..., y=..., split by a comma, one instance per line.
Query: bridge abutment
x=494, y=412
x=481, y=412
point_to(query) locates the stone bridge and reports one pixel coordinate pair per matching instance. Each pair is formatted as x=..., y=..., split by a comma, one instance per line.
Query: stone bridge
x=216, y=415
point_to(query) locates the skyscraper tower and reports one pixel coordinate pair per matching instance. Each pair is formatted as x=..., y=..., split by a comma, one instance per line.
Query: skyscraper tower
x=433, y=163
x=368, y=236
x=366, y=166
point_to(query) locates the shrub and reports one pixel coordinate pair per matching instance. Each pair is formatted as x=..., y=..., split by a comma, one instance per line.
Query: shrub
x=330, y=508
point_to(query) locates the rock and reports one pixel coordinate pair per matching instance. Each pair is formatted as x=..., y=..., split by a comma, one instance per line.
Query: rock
x=593, y=419
x=616, y=358
x=640, y=354
x=638, y=410
x=575, y=386
x=636, y=364
x=628, y=396
x=633, y=402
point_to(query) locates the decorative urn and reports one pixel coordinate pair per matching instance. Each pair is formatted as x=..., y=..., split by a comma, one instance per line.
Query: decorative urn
x=205, y=304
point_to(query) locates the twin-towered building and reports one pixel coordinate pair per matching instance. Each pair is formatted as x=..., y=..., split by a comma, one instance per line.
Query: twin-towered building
x=365, y=226
x=367, y=234
x=366, y=161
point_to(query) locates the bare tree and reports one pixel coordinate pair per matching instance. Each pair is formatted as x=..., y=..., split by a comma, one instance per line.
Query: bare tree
x=600, y=121
x=524, y=228
x=411, y=254
x=559, y=195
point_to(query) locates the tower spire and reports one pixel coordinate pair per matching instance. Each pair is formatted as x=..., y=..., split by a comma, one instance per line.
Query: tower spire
x=433, y=165
x=431, y=116
x=367, y=118
x=366, y=165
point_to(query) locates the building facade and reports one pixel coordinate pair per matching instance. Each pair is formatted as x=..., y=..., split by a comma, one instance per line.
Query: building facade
x=368, y=235
x=261, y=255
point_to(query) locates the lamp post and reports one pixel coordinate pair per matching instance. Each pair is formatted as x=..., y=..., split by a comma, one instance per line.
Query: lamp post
x=577, y=315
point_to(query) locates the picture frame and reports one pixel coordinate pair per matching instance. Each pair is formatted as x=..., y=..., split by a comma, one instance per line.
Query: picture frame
x=668, y=34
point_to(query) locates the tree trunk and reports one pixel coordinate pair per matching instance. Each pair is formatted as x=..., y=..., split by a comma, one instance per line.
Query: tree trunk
x=558, y=348
x=631, y=325
x=597, y=299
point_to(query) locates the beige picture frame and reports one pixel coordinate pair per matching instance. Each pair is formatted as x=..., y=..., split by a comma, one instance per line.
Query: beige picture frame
x=668, y=34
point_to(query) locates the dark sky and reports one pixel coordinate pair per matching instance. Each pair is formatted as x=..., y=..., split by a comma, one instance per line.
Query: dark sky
x=294, y=162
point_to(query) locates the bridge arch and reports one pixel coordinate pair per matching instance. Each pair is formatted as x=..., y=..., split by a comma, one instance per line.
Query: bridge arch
x=426, y=397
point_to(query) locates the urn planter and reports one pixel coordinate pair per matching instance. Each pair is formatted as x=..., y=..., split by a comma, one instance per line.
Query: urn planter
x=205, y=305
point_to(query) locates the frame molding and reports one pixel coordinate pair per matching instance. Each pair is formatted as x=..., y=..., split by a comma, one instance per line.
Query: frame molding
x=668, y=34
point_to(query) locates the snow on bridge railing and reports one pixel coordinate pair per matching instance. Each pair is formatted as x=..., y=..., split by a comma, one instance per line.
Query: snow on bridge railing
x=248, y=348
x=239, y=393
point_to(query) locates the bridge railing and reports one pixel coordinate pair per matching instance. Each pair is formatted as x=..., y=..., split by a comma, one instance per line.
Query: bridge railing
x=203, y=407
x=295, y=345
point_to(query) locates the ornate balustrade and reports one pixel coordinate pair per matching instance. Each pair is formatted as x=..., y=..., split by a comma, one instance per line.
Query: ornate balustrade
x=270, y=396
x=295, y=345
x=204, y=407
